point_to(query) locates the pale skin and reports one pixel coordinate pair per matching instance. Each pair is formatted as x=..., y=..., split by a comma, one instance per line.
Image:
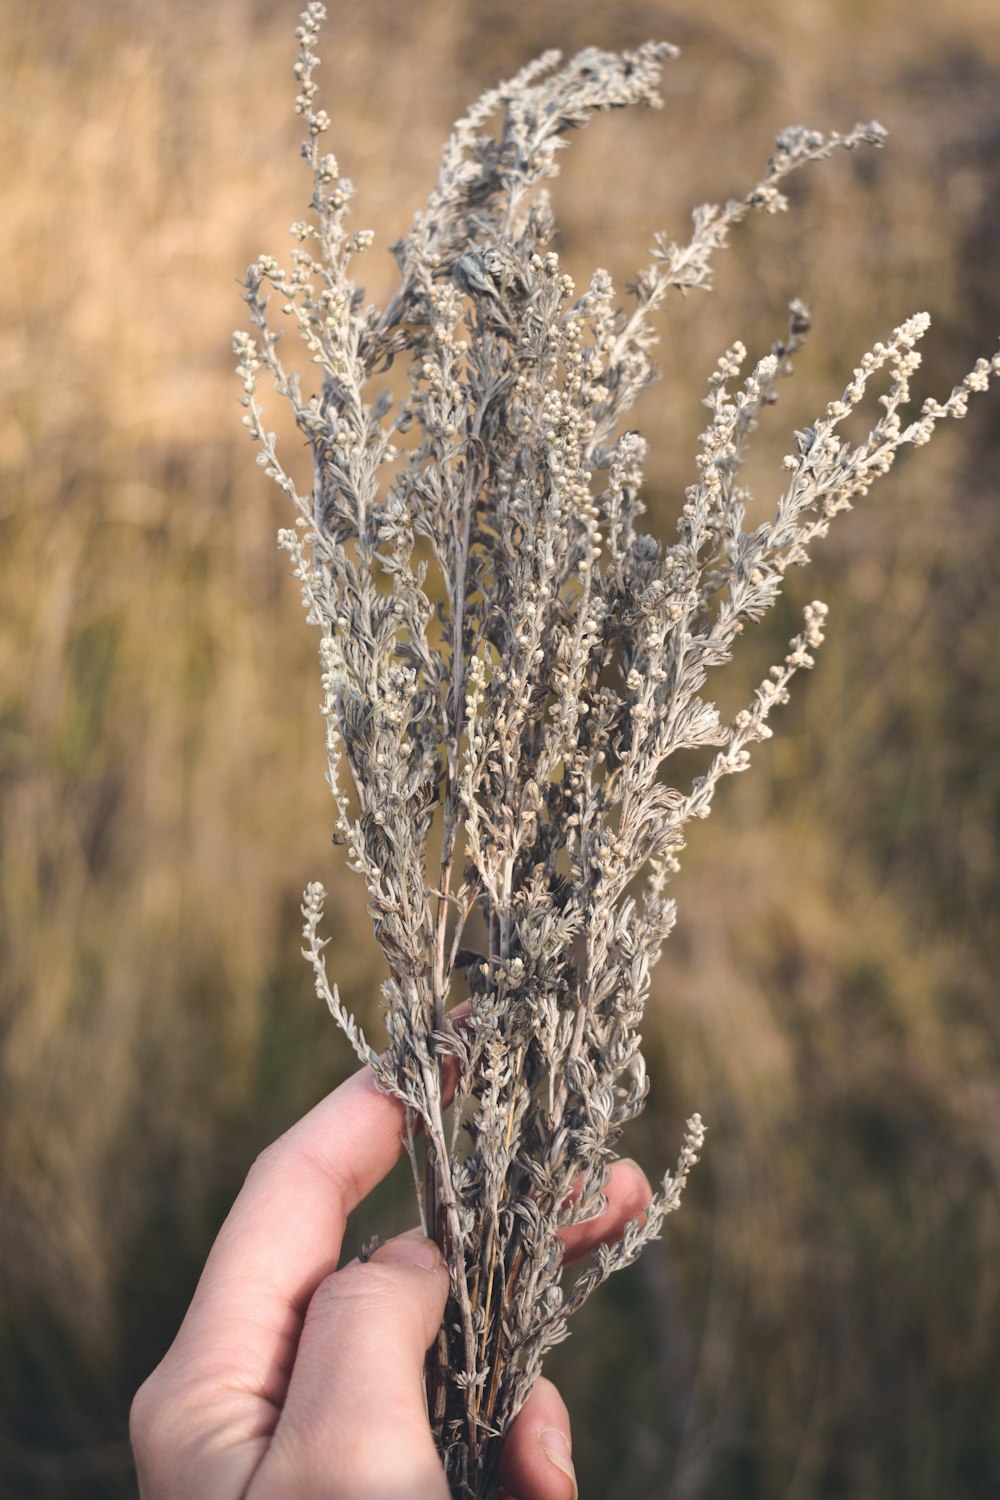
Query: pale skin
x=290, y=1378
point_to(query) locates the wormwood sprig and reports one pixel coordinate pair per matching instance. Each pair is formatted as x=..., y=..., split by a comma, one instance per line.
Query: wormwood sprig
x=509, y=664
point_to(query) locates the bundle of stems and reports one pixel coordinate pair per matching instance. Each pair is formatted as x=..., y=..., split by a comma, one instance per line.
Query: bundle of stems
x=510, y=664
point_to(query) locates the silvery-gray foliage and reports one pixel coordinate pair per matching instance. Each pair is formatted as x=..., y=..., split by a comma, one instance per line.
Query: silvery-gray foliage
x=509, y=663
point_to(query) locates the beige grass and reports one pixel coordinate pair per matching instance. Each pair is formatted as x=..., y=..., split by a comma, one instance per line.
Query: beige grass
x=161, y=758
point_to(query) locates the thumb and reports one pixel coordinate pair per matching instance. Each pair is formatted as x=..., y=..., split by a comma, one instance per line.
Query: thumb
x=355, y=1419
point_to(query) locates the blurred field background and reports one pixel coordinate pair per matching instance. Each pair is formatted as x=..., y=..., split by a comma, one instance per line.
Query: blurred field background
x=823, y=1319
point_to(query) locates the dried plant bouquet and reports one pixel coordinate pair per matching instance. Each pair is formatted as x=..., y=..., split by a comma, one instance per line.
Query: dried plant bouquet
x=509, y=664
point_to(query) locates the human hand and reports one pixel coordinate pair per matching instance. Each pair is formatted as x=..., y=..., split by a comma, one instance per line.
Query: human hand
x=289, y=1378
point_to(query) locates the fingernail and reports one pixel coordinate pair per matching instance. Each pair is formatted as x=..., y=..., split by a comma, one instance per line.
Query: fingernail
x=555, y=1446
x=413, y=1248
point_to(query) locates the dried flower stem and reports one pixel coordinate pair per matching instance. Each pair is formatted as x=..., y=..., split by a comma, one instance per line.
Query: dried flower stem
x=510, y=663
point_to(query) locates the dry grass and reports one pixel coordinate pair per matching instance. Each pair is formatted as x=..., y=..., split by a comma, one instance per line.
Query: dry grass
x=821, y=1321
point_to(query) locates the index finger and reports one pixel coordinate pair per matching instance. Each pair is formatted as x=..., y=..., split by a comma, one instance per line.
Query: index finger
x=284, y=1232
x=216, y=1396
